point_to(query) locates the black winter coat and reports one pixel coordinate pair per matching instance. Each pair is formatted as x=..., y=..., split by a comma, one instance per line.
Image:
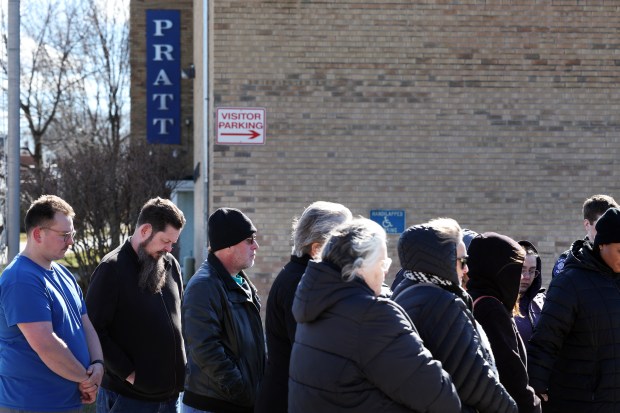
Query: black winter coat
x=280, y=329
x=574, y=354
x=355, y=352
x=495, y=264
x=447, y=328
x=139, y=331
x=441, y=311
x=224, y=340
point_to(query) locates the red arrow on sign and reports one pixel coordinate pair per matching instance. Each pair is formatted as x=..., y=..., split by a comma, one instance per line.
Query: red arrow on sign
x=253, y=134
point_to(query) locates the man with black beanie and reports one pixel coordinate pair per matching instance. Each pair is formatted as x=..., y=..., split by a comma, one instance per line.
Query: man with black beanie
x=573, y=358
x=221, y=321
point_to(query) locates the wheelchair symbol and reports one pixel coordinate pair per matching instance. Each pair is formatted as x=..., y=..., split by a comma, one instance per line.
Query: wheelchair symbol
x=387, y=224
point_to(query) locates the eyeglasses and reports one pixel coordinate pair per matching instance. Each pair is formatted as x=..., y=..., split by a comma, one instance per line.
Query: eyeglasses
x=251, y=240
x=65, y=235
x=463, y=261
x=532, y=273
x=385, y=264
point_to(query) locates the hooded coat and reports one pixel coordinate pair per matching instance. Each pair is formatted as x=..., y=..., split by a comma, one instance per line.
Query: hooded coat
x=495, y=263
x=531, y=301
x=574, y=353
x=355, y=352
x=441, y=311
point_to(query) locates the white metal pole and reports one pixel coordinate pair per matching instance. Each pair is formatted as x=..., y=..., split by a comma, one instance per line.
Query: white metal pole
x=13, y=221
x=205, y=112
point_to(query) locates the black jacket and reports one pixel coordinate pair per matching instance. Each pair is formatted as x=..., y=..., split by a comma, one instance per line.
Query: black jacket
x=495, y=264
x=355, y=352
x=441, y=311
x=280, y=329
x=574, y=354
x=139, y=331
x=444, y=323
x=224, y=339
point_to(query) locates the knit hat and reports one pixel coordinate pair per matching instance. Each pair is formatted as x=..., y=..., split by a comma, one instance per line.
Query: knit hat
x=608, y=228
x=228, y=227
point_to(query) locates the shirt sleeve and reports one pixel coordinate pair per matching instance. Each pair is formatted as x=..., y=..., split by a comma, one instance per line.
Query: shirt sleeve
x=26, y=299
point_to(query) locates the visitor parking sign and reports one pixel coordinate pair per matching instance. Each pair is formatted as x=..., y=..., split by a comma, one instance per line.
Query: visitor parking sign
x=392, y=220
x=241, y=126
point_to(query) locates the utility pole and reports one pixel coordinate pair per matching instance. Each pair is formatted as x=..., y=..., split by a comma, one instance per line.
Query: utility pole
x=13, y=131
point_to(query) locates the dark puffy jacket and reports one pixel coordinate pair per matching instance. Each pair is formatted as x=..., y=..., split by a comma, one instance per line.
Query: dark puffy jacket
x=224, y=340
x=574, y=353
x=444, y=321
x=531, y=301
x=495, y=263
x=355, y=352
x=280, y=329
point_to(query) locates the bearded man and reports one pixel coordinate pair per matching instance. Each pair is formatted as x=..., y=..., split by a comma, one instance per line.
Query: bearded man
x=134, y=301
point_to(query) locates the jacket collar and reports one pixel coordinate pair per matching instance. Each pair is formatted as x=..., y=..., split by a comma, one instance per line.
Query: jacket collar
x=229, y=282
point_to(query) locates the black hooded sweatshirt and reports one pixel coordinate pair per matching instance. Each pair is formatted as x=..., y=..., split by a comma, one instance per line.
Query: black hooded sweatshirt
x=495, y=263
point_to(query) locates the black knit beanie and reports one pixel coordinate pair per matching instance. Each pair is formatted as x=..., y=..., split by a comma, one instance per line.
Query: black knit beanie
x=228, y=227
x=608, y=228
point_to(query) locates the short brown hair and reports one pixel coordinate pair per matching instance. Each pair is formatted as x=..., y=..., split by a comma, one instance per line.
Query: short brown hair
x=160, y=213
x=42, y=211
x=595, y=206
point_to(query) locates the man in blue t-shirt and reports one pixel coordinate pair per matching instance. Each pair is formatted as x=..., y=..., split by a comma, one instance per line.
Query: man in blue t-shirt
x=50, y=355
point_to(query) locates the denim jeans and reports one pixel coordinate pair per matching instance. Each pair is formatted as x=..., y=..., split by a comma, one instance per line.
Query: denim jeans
x=187, y=409
x=111, y=402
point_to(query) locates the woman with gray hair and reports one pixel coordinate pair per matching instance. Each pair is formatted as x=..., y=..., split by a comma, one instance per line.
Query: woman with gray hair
x=310, y=232
x=354, y=350
x=434, y=262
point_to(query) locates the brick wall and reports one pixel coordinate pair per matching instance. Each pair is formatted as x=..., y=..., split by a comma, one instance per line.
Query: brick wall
x=501, y=114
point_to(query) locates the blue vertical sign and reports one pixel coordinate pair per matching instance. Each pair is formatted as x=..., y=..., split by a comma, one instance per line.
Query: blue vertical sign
x=392, y=220
x=163, y=76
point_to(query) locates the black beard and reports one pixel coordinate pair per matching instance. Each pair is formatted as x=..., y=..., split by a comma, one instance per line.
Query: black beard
x=152, y=274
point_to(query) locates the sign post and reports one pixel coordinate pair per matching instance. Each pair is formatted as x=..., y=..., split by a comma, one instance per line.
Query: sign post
x=241, y=126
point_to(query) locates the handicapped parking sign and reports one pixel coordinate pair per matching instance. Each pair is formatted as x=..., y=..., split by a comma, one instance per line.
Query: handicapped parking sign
x=392, y=220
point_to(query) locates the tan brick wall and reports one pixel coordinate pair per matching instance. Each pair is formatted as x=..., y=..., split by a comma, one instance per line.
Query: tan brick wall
x=138, y=69
x=501, y=114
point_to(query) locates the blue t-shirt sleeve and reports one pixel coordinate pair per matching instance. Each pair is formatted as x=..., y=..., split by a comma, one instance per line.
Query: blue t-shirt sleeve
x=26, y=300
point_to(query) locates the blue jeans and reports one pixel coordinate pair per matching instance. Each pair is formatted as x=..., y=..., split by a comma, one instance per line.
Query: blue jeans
x=111, y=402
x=187, y=409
